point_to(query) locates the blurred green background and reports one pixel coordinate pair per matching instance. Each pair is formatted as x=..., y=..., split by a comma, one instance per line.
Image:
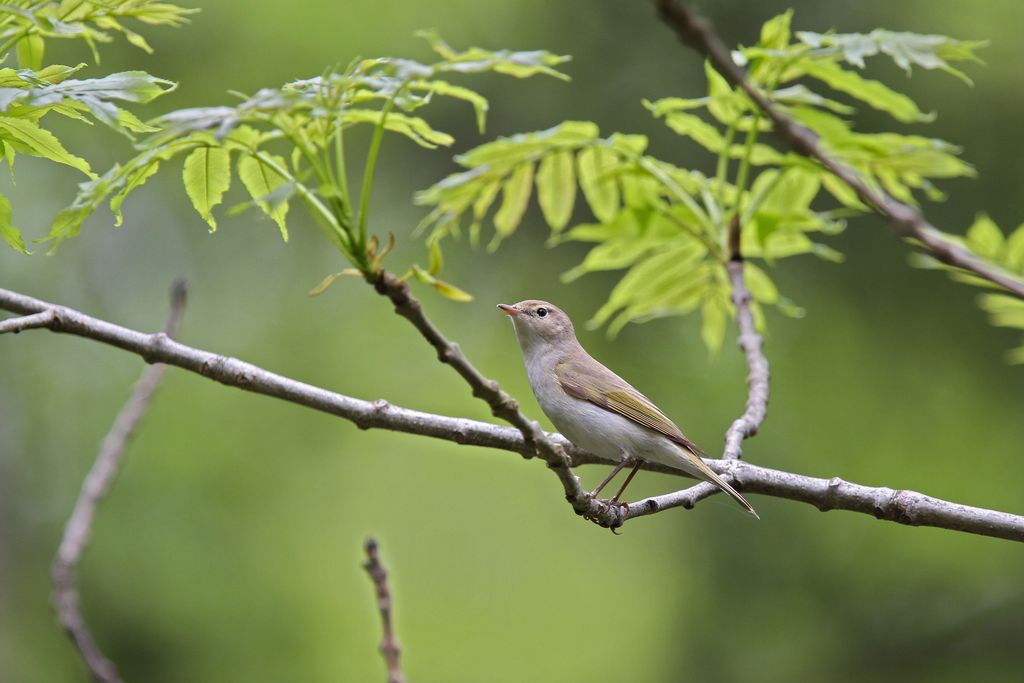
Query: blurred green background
x=230, y=548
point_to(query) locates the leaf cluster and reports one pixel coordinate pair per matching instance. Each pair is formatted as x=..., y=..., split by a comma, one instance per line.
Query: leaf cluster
x=986, y=240
x=287, y=145
x=31, y=91
x=668, y=227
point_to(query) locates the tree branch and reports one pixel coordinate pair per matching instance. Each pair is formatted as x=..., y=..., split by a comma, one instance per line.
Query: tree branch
x=96, y=486
x=907, y=221
x=26, y=322
x=903, y=507
x=751, y=342
x=388, y=644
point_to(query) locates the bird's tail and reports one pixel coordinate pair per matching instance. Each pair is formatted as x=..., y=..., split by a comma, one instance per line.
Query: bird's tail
x=710, y=475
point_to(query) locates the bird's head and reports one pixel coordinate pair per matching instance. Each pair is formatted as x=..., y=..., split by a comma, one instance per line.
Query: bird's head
x=539, y=323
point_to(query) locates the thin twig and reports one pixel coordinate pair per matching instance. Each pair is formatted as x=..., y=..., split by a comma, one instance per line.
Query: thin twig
x=502, y=405
x=751, y=342
x=825, y=494
x=907, y=221
x=26, y=322
x=94, y=489
x=388, y=645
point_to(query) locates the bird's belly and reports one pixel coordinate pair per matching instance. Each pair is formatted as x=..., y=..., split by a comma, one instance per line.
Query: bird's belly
x=605, y=433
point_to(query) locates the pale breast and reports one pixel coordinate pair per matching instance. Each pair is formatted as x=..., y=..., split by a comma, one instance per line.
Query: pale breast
x=591, y=427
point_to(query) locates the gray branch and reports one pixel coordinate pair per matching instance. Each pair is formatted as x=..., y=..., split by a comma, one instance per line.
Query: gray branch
x=96, y=486
x=751, y=342
x=389, y=644
x=903, y=507
x=907, y=221
x=26, y=322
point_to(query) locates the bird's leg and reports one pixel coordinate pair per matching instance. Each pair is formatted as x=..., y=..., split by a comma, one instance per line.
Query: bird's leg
x=632, y=473
x=616, y=470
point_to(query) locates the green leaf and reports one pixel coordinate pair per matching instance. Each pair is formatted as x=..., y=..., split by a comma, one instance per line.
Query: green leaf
x=760, y=285
x=905, y=49
x=517, y=148
x=262, y=180
x=412, y=127
x=801, y=94
x=1015, y=356
x=775, y=31
x=661, y=282
x=474, y=60
x=479, y=102
x=873, y=93
x=450, y=291
x=1015, y=250
x=985, y=238
x=8, y=232
x=30, y=52
x=596, y=165
x=207, y=176
x=26, y=136
x=436, y=257
x=515, y=196
x=1004, y=310
x=445, y=289
x=480, y=207
x=714, y=317
x=556, y=188
x=133, y=181
x=326, y=283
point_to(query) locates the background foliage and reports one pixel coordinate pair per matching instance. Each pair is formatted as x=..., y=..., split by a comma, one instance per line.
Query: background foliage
x=230, y=548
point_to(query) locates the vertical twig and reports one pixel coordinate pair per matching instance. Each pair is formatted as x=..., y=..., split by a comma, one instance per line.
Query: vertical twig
x=751, y=342
x=388, y=644
x=96, y=485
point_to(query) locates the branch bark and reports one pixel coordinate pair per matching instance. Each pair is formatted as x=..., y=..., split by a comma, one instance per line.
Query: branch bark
x=96, y=486
x=901, y=506
x=751, y=342
x=389, y=644
x=907, y=221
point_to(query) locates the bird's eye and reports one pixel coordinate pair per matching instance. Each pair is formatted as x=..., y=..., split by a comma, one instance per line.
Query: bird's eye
x=541, y=312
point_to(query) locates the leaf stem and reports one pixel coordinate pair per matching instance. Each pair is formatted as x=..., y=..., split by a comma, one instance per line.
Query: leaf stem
x=371, y=165
x=722, y=169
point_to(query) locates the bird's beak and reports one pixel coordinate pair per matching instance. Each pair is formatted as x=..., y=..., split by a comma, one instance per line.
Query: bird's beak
x=511, y=310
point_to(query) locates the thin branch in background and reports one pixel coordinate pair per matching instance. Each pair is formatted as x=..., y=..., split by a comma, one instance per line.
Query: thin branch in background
x=388, y=644
x=907, y=221
x=502, y=405
x=97, y=484
x=900, y=506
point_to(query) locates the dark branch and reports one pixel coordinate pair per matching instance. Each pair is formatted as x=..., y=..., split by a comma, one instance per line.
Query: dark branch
x=94, y=489
x=388, y=644
x=906, y=221
x=904, y=507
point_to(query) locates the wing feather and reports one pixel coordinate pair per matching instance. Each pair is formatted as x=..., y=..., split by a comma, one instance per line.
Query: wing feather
x=609, y=391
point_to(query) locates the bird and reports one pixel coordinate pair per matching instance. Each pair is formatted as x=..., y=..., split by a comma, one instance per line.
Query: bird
x=596, y=409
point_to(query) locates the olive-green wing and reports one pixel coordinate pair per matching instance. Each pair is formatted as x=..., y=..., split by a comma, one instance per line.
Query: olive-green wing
x=609, y=391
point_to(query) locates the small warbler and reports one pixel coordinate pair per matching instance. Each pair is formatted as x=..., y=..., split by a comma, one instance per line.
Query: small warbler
x=596, y=409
